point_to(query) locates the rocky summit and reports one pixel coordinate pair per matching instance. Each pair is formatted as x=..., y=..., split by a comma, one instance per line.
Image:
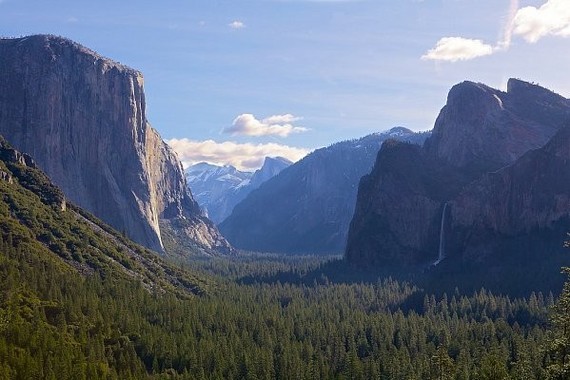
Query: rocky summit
x=489, y=186
x=218, y=189
x=83, y=119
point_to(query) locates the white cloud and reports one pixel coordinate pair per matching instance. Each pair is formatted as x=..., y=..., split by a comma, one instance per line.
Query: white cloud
x=531, y=23
x=242, y=156
x=236, y=24
x=552, y=18
x=277, y=125
x=454, y=49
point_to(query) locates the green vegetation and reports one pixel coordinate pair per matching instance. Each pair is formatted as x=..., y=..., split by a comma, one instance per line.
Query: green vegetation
x=558, y=343
x=79, y=301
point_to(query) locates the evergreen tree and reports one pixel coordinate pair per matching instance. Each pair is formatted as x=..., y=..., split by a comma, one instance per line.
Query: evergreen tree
x=558, y=343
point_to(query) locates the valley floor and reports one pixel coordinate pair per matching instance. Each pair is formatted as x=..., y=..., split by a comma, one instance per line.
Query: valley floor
x=264, y=317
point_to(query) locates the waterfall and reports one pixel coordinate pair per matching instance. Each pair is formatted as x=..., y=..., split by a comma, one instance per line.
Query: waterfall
x=441, y=252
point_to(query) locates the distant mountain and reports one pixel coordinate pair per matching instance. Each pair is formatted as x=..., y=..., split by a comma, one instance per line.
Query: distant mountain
x=218, y=189
x=307, y=207
x=488, y=191
x=213, y=187
x=271, y=167
x=83, y=118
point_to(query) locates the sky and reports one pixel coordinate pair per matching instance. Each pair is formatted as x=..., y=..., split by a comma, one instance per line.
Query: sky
x=233, y=81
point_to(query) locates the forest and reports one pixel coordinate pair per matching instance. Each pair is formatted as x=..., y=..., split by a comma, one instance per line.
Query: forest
x=57, y=324
x=80, y=301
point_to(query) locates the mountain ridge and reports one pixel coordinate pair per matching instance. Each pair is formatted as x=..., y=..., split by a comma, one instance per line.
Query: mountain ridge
x=308, y=206
x=219, y=188
x=498, y=203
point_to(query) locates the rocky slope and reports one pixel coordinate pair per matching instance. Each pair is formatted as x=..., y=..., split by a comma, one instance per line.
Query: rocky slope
x=307, y=207
x=82, y=117
x=218, y=189
x=492, y=158
x=36, y=218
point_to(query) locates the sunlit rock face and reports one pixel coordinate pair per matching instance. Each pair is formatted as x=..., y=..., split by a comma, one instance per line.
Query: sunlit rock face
x=83, y=119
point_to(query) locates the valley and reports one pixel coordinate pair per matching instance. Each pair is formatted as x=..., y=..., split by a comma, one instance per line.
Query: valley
x=401, y=254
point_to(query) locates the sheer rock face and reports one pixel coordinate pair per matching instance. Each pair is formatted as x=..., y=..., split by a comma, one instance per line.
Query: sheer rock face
x=493, y=157
x=482, y=128
x=82, y=117
x=307, y=208
x=531, y=195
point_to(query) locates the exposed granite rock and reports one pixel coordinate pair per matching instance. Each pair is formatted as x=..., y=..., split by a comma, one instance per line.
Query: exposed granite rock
x=531, y=195
x=5, y=176
x=399, y=206
x=82, y=117
x=307, y=208
x=24, y=169
x=214, y=187
x=488, y=160
x=481, y=128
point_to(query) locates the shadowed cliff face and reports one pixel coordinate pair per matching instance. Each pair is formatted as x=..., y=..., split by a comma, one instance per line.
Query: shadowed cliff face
x=82, y=117
x=307, y=207
x=498, y=159
x=532, y=194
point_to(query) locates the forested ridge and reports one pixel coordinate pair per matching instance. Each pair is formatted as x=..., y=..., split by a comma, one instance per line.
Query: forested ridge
x=79, y=301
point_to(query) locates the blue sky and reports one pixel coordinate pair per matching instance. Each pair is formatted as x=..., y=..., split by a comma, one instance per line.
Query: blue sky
x=233, y=81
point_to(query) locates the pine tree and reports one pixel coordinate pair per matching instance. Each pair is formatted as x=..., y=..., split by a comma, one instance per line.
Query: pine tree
x=558, y=343
x=441, y=365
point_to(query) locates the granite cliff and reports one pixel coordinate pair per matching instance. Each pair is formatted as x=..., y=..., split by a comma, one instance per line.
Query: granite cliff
x=489, y=183
x=482, y=129
x=83, y=118
x=307, y=207
x=532, y=194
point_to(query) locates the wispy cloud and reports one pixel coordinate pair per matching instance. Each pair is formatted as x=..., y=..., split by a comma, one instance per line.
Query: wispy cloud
x=278, y=125
x=455, y=49
x=551, y=19
x=531, y=23
x=236, y=25
x=243, y=156
x=505, y=41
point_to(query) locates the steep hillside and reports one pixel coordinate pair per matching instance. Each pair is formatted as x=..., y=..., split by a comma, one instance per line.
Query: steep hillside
x=487, y=190
x=307, y=208
x=35, y=216
x=74, y=292
x=83, y=119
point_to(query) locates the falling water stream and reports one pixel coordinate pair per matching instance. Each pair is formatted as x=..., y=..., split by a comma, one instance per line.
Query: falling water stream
x=441, y=252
